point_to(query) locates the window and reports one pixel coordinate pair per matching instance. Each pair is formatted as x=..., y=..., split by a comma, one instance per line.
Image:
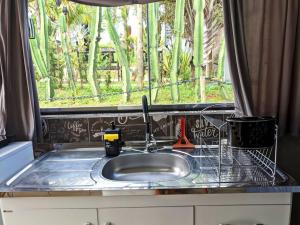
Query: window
x=172, y=51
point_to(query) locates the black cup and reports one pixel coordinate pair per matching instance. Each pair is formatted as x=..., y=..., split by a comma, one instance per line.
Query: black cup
x=251, y=132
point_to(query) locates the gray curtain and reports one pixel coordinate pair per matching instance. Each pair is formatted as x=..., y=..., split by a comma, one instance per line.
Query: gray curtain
x=263, y=44
x=113, y=2
x=19, y=108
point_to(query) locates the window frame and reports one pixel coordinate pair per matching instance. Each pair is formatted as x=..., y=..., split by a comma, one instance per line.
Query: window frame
x=189, y=107
x=137, y=109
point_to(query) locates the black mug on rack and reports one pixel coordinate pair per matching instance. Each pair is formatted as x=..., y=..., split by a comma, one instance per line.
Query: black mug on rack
x=251, y=132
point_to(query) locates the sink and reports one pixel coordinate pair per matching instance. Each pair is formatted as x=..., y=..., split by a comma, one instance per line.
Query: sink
x=152, y=167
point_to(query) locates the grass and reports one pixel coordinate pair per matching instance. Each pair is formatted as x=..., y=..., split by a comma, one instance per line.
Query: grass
x=112, y=97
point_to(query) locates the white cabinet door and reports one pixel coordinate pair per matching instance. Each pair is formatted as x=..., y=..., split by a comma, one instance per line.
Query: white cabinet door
x=147, y=216
x=51, y=217
x=243, y=215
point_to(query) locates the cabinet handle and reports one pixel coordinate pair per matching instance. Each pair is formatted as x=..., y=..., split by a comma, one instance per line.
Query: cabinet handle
x=88, y=223
x=108, y=223
x=229, y=224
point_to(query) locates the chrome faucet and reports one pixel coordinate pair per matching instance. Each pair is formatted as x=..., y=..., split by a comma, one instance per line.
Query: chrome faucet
x=150, y=140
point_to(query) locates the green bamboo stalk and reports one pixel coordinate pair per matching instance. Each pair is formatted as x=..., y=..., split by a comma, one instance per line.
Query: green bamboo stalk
x=121, y=55
x=38, y=58
x=179, y=30
x=198, y=45
x=41, y=68
x=49, y=88
x=221, y=58
x=40, y=49
x=220, y=73
x=127, y=30
x=93, y=50
x=140, y=47
x=154, y=57
x=65, y=47
x=44, y=32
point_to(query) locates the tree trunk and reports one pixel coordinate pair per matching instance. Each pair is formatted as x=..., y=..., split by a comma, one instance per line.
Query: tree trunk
x=154, y=58
x=198, y=46
x=93, y=50
x=179, y=29
x=140, y=47
x=122, y=58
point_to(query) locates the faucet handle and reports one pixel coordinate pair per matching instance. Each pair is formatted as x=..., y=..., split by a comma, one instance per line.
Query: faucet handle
x=151, y=146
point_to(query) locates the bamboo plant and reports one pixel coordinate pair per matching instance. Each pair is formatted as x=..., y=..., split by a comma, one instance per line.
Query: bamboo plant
x=121, y=55
x=154, y=57
x=93, y=51
x=140, y=47
x=44, y=32
x=220, y=73
x=198, y=46
x=38, y=58
x=127, y=31
x=221, y=57
x=65, y=47
x=39, y=48
x=179, y=30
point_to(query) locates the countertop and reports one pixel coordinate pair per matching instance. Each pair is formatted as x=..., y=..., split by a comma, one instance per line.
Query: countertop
x=78, y=171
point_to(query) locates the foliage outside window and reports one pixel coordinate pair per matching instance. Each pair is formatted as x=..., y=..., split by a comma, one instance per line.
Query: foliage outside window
x=100, y=56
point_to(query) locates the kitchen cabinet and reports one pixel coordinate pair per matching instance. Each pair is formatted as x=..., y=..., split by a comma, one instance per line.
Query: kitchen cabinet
x=186, y=209
x=243, y=215
x=147, y=216
x=52, y=217
x=18, y=154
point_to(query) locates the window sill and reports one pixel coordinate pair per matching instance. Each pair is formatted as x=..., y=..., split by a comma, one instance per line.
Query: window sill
x=134, y=109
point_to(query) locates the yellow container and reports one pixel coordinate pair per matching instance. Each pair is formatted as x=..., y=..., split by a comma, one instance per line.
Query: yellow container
x=111, y=137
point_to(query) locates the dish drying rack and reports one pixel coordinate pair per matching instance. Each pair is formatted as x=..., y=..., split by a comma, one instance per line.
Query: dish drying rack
x=237, y=165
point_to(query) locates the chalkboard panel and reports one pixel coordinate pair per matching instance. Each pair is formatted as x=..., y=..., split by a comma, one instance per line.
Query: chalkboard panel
x=197, y=127
x=161, y=126
x=133, y=127
x=98, y=126
x=66, y=130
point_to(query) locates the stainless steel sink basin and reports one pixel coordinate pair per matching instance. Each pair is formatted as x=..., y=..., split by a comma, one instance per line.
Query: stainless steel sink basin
x=151, y=167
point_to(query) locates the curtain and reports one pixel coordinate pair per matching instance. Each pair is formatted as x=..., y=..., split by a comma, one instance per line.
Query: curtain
x=237, y=55
x=3, y=31
x=113, y=2
x=19, y=108
x=263, y=44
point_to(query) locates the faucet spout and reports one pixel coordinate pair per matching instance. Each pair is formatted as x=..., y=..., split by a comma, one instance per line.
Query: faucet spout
x=150, y=141
x=146, y=113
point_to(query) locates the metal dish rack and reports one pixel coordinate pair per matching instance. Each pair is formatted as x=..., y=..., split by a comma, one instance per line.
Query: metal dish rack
x=253, y=166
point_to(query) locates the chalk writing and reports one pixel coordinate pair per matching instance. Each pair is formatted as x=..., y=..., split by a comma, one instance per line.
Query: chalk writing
x=207, y=132
x=76, y=127
x=122, y=120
